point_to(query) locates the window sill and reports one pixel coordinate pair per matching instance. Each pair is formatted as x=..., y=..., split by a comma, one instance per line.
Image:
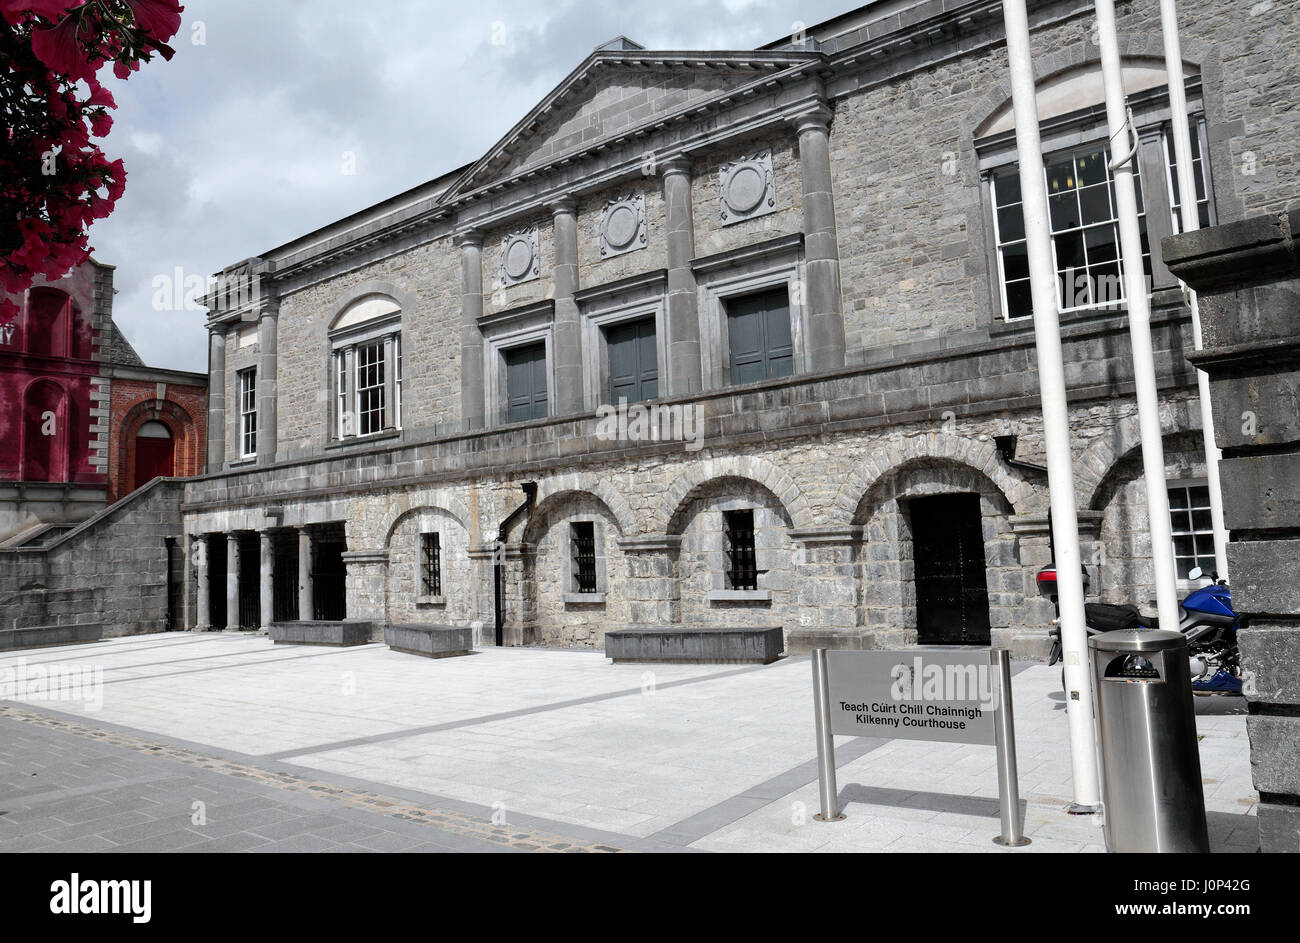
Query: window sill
x=357, y=440
x=431, y=600
x=584, y=599
x=244, y=460
x=739, y=595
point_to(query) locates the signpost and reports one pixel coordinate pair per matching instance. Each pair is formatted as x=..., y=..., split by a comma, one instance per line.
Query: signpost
x=917, y=694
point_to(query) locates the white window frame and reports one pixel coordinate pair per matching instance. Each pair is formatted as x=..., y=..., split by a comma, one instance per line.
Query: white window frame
x=246, y=384
x=345, y=376
x=1092, y=144
x=1208, y=532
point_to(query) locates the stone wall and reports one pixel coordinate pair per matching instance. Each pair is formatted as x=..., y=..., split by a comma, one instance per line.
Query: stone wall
x=111, y=569
x=1248, y=277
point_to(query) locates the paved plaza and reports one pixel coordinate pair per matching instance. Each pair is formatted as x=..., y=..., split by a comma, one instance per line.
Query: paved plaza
x=224, y=742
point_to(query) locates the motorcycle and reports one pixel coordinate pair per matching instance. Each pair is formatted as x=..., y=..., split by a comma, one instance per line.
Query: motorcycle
x=1206, y=618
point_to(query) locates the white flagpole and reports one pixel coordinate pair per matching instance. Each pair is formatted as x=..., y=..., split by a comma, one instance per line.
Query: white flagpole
x=1191, y=220
x=1056, y=427
x=1123, y=147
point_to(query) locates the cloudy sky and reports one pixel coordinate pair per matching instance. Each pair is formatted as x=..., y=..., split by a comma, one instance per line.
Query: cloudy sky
x=240, y=142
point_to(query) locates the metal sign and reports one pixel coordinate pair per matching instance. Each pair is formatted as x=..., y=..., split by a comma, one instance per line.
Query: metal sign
x=918, y=695
x=913, y=695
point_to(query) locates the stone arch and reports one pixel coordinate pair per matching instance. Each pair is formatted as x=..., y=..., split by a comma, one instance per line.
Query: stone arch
x=179, y=423
x=1196, y=53
x=694, y=477
x=404, y=299
x=979, y=455
x=583, y=483
x=407, y=503
x=538, y=518
x=1099, y=459
x=415, y=511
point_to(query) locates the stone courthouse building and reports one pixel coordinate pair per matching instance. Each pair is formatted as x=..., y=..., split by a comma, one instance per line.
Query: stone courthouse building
x=815, y=250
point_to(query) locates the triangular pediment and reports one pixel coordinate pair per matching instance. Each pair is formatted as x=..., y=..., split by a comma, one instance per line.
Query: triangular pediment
x=614, y=93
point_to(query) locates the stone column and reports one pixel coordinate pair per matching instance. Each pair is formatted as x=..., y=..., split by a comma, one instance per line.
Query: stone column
x=827, y=593
x=266, y=596
x=216, y=398
x=825, y=342
x=1155, y=198
x=232, y=581
x=306, y=605
x=267, y=399
x=367, y=583
x=199, y=566
x=472, y=403
x=1247, y=275
x=654, y=594
x=683, y=320
x=567, y=345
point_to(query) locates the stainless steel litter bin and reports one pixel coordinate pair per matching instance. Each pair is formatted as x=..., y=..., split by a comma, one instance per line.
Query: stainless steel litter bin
x=1151, y=765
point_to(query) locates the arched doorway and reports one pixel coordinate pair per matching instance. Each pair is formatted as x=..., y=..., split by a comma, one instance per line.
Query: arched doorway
x=155, y=453
x=45, y=438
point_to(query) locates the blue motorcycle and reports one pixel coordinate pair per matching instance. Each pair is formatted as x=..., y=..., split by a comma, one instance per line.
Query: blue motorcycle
x=1206, y=618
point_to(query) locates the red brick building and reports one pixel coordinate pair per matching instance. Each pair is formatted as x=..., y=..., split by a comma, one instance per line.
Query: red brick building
x=83, y=420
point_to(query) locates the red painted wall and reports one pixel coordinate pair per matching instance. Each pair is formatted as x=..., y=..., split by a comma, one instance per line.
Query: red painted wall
x=45, y=373
x=184, y=411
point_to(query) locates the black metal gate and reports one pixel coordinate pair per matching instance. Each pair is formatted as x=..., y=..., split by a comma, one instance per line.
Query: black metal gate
x=329, y=587
x=175, y=582
x=284, y=602
x=250, y=582
x=952, y=597
x=215, y=557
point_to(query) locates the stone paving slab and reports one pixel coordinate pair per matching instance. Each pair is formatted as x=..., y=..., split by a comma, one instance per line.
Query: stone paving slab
x=562, y=743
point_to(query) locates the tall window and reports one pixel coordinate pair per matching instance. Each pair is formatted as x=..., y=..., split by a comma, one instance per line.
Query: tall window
x=633, y=361
x=367, y=368
x=742, y=562
x=758, y=336
x=1189, y=517
x=430, y=564
x=1198, y=177
x=248, y=412
x=526, y=382
x=584, y=556
x=1084, y=222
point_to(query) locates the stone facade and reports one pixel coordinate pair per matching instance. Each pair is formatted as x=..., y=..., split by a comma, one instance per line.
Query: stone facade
x=876, y=221
x=1248, y=277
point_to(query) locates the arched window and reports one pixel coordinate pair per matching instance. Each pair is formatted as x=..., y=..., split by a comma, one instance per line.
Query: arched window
x=45, y=433
x=366, y=371
x=155, y=453
x=49, y=322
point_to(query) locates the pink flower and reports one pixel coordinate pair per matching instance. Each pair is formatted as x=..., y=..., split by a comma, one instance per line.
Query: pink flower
x=59, y=48
x=49, y=9
x=159, y=18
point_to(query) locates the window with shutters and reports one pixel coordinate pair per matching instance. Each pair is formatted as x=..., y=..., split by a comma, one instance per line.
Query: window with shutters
x=742, y=561
x=633, y=361
x=526, y=386
x=758, y=336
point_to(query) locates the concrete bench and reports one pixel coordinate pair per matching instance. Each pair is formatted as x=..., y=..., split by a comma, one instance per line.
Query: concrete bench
x=337, y=634
x=40, y=636
x=428, y=639
x=694, y=644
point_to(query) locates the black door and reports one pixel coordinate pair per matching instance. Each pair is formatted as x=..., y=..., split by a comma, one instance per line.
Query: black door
x=526, y=382
x=952, y=597
x=758, y=334
x=215, y=552
x=329, y=589
x=284, y=602
x=250, y=582
x=175, y=583
x=633, y=362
